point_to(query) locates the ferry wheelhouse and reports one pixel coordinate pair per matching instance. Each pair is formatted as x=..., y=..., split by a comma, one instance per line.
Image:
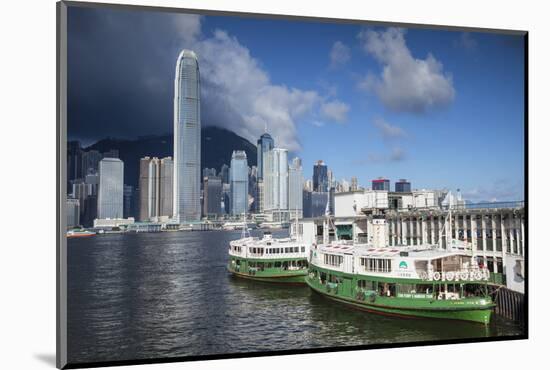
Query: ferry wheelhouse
x=422, y=281
x=271, y=259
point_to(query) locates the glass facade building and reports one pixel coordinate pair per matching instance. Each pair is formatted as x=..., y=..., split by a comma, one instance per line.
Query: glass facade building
x=320, y=177
x=381, y=184
x=295, y=188
x=110, y=202
x=265, y=144
x=187, y=139
x=276, y=180
x=238, y=177
x=402, y=186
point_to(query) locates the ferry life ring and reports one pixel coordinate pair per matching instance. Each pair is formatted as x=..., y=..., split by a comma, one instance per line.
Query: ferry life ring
x=449, y=275
x=423, y=275
x=464, y=275
x=437, y=276
x=478, y=275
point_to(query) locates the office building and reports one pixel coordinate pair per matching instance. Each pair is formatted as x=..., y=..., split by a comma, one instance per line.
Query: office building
x=381, y=184
x=402, y=186
x=354, y=185
x=73, y=212
x=187, y=139
x=295, y=188
x=224, y=174
x=212, y=196
x=155, y=184
x=320, y=177
x=238, y=178
x=276, y=184
x=264, y=145
x=111, y=188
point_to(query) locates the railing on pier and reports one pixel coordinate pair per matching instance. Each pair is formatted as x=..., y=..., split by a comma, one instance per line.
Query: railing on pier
x=510, y=304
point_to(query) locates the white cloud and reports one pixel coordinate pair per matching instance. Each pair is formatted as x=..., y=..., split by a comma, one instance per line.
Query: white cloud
x=389, y=131
x=335, y=110
x=239, y=95
x=339, y=54
x=406, y=84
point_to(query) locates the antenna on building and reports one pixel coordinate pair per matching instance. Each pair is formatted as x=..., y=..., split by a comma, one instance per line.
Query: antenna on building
x=265, y=127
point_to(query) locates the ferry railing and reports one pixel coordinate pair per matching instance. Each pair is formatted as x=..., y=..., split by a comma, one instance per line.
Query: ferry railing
x=459, y=207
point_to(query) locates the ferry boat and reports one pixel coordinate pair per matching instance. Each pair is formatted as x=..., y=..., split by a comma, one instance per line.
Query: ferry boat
x=281, y=260
x=419, y=281
x=79, y=233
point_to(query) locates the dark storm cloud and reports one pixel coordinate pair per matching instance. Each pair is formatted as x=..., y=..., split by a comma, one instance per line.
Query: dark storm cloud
x=121, y=79
x=120, y=73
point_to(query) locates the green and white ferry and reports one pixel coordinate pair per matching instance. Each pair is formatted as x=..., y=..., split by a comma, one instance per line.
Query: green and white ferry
x=421, y=281
x=281, y=260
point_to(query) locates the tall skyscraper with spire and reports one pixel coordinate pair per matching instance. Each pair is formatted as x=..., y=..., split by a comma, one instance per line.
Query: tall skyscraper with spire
x=187, y=139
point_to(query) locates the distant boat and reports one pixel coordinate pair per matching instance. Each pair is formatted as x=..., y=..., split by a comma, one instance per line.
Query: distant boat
x=79, y=233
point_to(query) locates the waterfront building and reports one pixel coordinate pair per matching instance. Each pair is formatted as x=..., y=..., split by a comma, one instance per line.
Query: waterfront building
x=402, y=186
x=320, y=177
x=295, y=188
x=128, y=208
x=92, y=179
x=238, y=177
x=81, y=191
x=306, y=203
x=166, y=187
x=264, y=145
x=224, y=174
x=330, y=177
x=187, y=139
x=381, y=184
x=111, y=192
x=308, y=185
x=155, y=183
x=73, y=212
x=276, y=185
x=212, y=196
x=90, y=162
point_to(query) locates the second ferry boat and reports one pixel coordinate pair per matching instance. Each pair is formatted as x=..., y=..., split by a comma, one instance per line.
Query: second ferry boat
x=281, y=260
x=422, y=281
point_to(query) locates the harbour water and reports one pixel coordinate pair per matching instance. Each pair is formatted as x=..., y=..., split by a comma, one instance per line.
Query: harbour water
x=154, y=295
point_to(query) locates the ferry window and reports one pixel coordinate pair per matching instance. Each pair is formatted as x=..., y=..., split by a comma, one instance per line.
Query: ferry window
x=303, y=249
x=295, y=249
x=376, y=264
x=333, y=260
x=260, y=250
x=277, y=264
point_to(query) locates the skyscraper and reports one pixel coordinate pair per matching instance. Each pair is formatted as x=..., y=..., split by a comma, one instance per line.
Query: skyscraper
x=111, y=188
x=238, y=178
x=166, y=187
x=212, y=196
x=276, y=184
x=187, y=138
x=90, y=161
x=265, y=144
x=155, y=183
x=224, y=174
x=320, y=177
x=295, y=188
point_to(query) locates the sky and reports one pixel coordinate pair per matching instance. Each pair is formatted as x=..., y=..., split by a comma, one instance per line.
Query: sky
x=443, y=109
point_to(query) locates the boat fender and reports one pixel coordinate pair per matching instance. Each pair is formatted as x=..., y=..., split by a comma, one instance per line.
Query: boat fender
x=437, y=275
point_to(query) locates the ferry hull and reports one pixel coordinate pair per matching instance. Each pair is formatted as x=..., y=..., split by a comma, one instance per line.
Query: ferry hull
x=286, y=278
x=480, y=314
